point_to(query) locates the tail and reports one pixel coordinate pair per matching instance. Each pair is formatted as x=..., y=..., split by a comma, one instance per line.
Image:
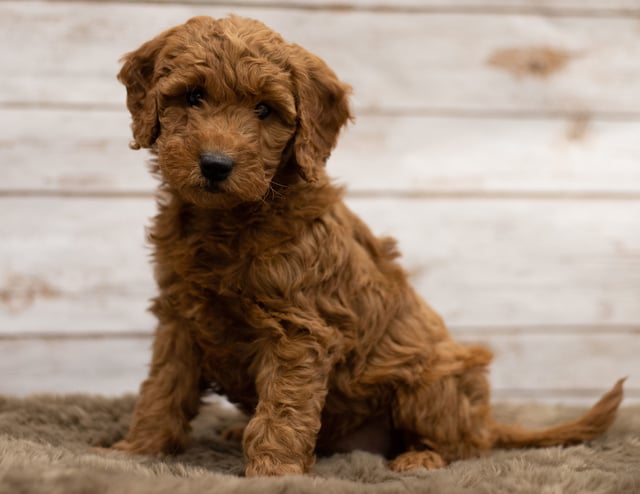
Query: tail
x=595, y=422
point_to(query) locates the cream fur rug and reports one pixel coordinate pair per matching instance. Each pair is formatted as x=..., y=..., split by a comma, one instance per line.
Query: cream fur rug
x=46, y=441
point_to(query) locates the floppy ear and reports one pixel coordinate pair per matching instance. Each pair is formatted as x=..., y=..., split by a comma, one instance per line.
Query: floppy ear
x=322, y=107
x=137, y=76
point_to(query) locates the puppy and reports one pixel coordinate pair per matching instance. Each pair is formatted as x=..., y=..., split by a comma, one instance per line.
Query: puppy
x=271, y=290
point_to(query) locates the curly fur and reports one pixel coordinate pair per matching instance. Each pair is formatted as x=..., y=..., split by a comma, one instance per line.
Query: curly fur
x=272, y=291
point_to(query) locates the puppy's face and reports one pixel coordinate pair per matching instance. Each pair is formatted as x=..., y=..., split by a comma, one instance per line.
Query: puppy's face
x=227, y=104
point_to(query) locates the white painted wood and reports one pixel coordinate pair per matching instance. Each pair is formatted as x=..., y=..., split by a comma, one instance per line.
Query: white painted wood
x=551, y=284
x=391, y=5
x=546, y=6
x=557, y=360
x=80, y=265
x=74, y=265
x=413, y=154
x=552, y=367
x=88, y=152
x=71, y=150
x=519, y=262
x=97, y=366
x=413, y=62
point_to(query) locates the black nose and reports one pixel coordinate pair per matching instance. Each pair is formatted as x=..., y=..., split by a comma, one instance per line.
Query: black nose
x=215, y=166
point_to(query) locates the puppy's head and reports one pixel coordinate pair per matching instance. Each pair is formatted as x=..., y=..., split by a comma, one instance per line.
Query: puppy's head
x=228, y=104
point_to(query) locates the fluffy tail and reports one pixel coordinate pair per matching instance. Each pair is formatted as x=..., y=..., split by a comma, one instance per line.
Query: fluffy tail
x=595, y=422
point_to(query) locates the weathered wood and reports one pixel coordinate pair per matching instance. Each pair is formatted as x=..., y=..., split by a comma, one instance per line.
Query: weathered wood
x=81, y=265
x=87, y=152
x=560, y=367
x=97, y=366
x=550, y=284
x=408, y=62
x=582, y=7
x=71, y=150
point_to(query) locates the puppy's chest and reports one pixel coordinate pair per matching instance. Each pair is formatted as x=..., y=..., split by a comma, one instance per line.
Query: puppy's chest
x=228, y=347
x=228, y=371
x=224, y=263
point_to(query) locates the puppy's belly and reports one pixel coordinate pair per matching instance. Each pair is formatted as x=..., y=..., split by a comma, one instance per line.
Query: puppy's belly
x=373, y=436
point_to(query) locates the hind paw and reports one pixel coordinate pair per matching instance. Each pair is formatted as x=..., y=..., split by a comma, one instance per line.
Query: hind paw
x=417, y=459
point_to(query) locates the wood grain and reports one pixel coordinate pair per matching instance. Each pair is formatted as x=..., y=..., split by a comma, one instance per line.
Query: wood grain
x=407, y=62
x=97, y=366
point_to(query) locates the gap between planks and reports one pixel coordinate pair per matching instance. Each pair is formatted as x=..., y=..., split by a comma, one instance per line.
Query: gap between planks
x=461, y=332
x=462, y=113
x=399, y=8
x=560, y=395
x=355, y=193
x=516, y=375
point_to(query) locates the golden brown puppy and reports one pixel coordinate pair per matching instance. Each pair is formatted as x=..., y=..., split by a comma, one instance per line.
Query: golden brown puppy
x=271, y=290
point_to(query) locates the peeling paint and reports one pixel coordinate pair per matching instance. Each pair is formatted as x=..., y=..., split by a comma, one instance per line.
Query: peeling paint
x=21, y=291
x=540, y=61
x=578, y=127
x=85, y=180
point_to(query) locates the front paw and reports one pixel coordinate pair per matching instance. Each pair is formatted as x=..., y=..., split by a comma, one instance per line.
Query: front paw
x=148, y=447
x=265, y=466
x=136, y=448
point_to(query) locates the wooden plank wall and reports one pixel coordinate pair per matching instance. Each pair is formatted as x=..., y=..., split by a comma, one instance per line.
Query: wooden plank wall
x=499, y=140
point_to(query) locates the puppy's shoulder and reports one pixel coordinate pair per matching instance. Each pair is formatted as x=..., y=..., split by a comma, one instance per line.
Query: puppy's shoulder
x=376, y=246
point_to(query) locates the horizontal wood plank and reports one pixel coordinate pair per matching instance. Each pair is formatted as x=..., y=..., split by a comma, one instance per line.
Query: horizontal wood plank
x=406, y=62
x=559, y=368
x=582, y=7
x=87, y=152
x=97, y=366
x=82, y=265
x=74, y=265
x=440, y=154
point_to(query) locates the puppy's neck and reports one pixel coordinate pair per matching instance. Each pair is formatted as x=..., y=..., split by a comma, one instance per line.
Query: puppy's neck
x=287, y=203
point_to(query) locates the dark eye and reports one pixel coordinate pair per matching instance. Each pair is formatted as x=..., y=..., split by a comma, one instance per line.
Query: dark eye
x=262, y=111
x=195, y=96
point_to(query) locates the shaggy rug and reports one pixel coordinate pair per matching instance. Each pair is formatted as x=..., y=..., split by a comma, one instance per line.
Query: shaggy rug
x=47, y=445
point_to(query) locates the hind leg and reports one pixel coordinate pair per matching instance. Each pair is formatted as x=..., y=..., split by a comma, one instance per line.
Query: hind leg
x=442, y=421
